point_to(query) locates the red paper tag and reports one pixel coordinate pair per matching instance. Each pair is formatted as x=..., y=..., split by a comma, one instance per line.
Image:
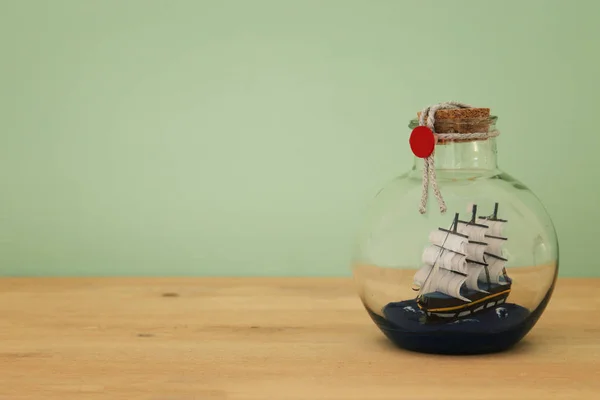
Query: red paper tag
x=422, y=141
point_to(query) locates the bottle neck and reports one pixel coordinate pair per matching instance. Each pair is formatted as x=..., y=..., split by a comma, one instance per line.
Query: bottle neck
x=469, y=156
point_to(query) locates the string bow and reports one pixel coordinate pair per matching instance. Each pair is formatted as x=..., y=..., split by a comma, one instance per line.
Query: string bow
x=427, y=118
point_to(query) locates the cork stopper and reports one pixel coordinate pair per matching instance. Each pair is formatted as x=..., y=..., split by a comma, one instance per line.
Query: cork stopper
x=461, y=120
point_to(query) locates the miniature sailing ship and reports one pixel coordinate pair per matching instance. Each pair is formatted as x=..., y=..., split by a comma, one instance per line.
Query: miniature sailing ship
x=464, y=270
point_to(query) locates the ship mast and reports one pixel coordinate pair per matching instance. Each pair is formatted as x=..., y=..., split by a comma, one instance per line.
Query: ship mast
x=495, y=218
x=496, y=239
x=484, y=264
x=473, y=220
x=455, y=261
x=452, y=230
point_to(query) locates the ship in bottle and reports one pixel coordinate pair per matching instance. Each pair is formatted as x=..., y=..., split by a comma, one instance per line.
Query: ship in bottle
x=463, y=270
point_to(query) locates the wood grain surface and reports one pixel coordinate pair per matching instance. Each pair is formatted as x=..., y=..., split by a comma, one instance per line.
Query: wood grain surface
x=266, y=338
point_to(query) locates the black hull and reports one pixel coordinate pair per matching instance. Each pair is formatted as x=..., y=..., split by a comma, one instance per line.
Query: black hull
x=452, y=308
x=492, y=333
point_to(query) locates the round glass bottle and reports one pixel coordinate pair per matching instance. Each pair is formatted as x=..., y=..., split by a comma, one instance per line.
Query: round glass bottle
x=468, y=272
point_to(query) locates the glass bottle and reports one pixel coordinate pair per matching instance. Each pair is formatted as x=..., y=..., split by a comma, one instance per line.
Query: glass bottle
x=472, y=279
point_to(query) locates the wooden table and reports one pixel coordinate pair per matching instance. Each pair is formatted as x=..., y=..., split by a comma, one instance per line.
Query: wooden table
x=256, y=338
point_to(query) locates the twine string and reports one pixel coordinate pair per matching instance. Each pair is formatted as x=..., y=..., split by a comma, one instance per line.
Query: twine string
x=427, y=118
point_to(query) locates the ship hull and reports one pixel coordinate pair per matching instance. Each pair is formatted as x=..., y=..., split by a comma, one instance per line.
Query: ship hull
x=436, y=307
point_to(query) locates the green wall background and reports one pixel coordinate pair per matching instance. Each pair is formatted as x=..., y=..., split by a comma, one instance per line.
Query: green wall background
x=247, y=137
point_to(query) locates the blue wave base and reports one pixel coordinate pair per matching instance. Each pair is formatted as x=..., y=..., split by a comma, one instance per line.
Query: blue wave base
x=492, y=330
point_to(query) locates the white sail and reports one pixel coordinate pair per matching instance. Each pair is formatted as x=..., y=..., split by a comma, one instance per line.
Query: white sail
x=431, y=255
x=475, y=251
x=495, y=269
x=445, y=282
x=495, y=227
x=459, y=244
x=445, y=259
x=448, y=240
x=475, y=233
x=421, y=275
x=495, y=246
x=475, y=271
